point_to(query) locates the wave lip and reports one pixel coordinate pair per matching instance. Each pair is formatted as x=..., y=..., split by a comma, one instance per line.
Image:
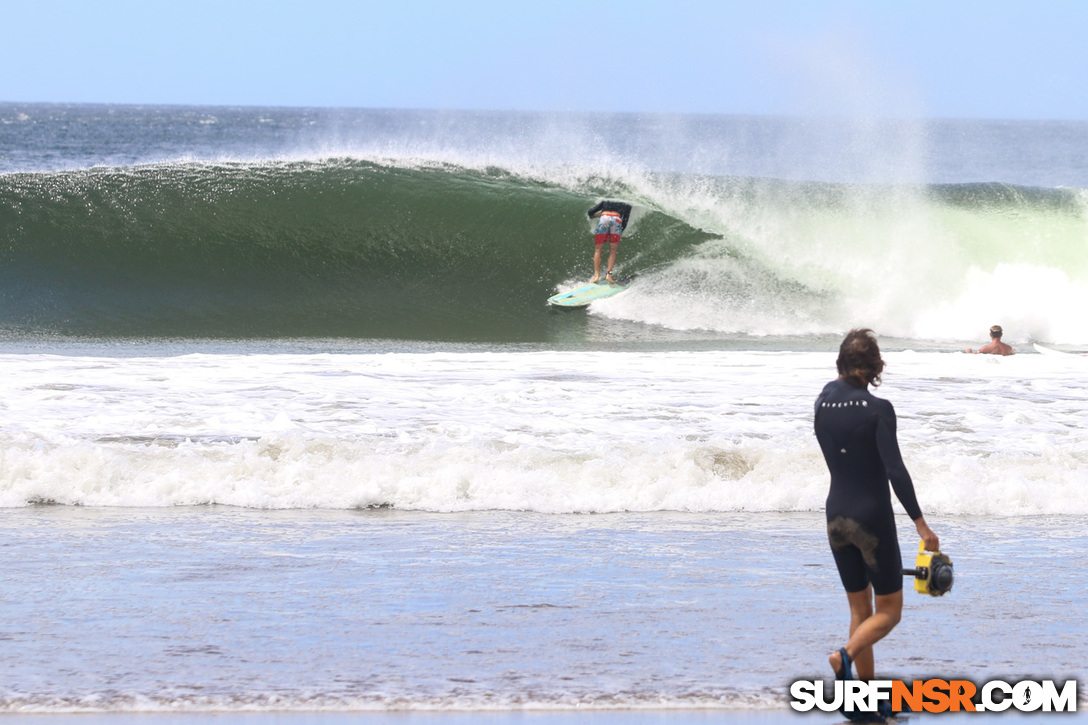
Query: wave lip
x=432, y=251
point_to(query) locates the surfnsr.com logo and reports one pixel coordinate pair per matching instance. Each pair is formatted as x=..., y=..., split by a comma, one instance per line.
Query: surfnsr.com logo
x=935, y=695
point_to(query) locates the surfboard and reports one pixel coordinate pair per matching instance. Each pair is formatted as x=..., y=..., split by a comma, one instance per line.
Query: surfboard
x=587, y=293
x=1051, y=351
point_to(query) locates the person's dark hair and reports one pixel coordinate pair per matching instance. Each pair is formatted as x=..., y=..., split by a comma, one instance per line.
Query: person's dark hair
x=995, y=331
x=859, y=358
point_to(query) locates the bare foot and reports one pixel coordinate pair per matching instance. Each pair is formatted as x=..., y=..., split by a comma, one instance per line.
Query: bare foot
x=608, y=277
x=594, y=280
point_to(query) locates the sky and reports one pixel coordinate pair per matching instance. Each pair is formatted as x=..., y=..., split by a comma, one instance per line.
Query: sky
x=1015, y=59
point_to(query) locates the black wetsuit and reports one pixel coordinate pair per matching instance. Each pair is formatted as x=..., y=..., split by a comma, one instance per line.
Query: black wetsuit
x=624, y=210
x=856, y=431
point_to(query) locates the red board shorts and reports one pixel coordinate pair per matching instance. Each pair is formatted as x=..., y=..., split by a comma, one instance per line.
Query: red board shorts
x=609, y=229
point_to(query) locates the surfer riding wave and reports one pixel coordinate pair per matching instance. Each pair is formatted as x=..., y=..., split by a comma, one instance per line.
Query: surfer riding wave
x=612, y=218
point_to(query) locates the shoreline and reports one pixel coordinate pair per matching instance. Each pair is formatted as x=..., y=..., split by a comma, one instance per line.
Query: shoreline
x=445, y=717
x=784, y=716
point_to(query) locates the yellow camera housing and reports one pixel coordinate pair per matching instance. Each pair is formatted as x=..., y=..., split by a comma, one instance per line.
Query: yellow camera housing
x=933, y=572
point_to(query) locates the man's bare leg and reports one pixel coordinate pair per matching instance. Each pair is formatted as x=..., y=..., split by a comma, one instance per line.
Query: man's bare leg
x=867, y=628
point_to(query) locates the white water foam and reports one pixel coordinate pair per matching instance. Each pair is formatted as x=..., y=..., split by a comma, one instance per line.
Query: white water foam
x=546, y=432
x=891, y=258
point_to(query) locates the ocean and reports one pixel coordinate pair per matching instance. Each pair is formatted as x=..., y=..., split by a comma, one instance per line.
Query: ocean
x=287, y=429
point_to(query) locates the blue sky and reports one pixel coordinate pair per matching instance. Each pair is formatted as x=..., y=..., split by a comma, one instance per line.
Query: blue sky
x=909, y=58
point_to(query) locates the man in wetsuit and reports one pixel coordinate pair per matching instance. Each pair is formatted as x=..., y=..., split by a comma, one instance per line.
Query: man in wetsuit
x=857, y=434
x=612, y=217
x=996, y=347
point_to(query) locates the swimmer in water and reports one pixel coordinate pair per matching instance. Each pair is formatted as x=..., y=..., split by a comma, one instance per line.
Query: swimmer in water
x=996, y=347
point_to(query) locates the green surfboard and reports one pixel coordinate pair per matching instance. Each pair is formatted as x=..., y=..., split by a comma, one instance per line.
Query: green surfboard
x=584, y=295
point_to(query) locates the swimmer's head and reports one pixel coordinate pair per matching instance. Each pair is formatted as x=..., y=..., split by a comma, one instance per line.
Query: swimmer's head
x=859, y=358
x=995, y=332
